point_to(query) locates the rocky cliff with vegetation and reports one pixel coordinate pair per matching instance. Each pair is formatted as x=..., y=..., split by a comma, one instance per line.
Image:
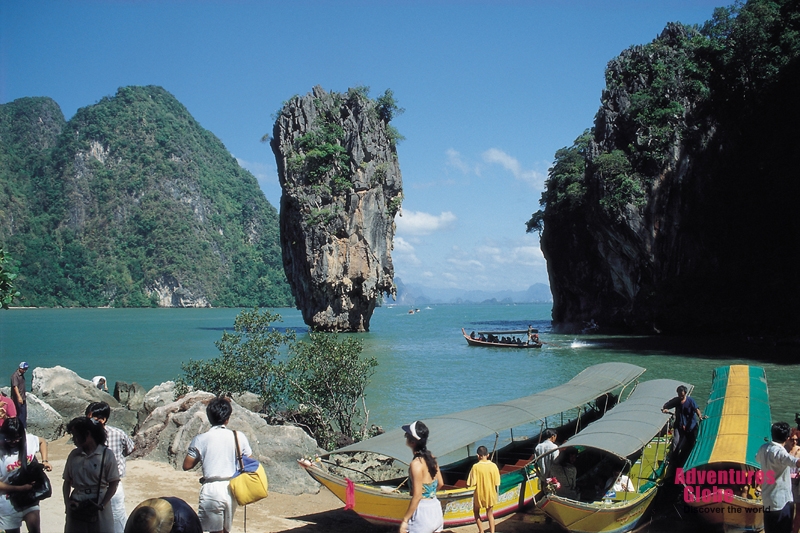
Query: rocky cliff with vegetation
x=132, y=203
x=677, y=211
x=337, y=164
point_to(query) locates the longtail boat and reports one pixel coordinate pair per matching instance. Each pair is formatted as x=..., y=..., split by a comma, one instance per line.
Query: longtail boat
x=492, y=339
x=627, y=449
x=456, y=436
x=738, y=423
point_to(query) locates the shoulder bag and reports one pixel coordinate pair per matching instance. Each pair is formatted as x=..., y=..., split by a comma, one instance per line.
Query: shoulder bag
x=29, y=473
x=249, y=483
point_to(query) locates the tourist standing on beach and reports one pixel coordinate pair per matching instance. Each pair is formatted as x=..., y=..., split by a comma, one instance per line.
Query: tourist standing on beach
x=794, y=450
x=7, y=409
x=122, y=445
x=18, y=392
x=15, y=442
x=485, y=477
x=684, y=432
x=424, y=513
x=216, y=450
x=90, y=475
x=776, y=463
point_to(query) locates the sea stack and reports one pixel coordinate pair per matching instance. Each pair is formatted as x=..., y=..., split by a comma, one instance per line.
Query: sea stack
x=341, y=182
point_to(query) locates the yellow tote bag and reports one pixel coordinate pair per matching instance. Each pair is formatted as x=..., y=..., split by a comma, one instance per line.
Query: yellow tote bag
x=249, y=484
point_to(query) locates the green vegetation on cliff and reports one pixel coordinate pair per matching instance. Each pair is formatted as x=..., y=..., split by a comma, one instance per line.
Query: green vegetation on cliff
x=675, y=211
x=133, y=203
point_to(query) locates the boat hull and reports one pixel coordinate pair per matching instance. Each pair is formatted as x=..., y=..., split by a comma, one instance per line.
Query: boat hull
x=597, y=517
x=622, y=513
x=377, y=506
x=740, y=515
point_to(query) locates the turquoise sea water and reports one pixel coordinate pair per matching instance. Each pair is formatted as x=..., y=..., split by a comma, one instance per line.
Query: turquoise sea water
x=425, y=366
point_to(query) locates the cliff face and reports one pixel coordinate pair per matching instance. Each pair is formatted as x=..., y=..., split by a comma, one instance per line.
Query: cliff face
x=342, y=187
x=135, y=204
x=675, y=213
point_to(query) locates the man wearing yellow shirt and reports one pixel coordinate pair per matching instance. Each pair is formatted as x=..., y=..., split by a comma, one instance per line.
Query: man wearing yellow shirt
x=485, y=478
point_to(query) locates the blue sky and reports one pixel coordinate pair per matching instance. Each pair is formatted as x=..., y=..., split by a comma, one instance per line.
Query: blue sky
x=491, y=90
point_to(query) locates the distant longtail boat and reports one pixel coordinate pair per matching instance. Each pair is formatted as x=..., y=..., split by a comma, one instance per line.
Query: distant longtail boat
x=492, y=339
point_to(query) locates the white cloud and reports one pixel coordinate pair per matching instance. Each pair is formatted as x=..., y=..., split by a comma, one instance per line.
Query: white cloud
x=454, y=159
x=493, y=155
x=466, y=264
x=261, y=171
x=404, y=252
x=418, y=223
x=511, y=253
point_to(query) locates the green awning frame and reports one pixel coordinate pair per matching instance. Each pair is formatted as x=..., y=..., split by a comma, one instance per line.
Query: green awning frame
x=739, y=421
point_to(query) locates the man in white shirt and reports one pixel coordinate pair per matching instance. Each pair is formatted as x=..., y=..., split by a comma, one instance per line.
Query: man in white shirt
x=122, y=445
x=216, y=450
x=776, y=488
x=548, y=444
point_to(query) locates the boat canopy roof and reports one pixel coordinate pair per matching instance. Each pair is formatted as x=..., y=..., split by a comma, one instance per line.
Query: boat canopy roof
x=452, y=432
x=630, y=425
x=739, y=419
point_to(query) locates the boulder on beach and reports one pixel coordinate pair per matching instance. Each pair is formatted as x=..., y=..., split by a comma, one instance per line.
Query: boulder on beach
x=70, y=395
x=248, y=400
x=43, y=420
x=158, y=396
x=130, y=395
x=167, y=432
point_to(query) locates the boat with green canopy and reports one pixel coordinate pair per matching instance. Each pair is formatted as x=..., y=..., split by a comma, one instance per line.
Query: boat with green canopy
x=606, y=476
x=738, y=424
x=454, y=438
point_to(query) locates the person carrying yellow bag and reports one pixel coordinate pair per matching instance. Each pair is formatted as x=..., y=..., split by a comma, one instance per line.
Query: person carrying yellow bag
x=217, y=451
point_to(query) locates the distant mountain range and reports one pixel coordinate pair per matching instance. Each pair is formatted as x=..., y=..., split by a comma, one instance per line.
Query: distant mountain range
x=419, y=295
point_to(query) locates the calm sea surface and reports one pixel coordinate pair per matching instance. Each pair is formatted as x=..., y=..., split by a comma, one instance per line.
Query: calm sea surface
x=425, y=366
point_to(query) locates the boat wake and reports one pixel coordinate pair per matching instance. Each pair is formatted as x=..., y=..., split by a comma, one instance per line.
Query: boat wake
x=579, y=344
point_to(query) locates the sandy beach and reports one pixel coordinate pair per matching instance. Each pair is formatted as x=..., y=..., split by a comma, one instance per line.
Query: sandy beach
x=307, y=513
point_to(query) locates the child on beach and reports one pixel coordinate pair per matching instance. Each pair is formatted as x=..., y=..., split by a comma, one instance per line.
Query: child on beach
x=485, y=477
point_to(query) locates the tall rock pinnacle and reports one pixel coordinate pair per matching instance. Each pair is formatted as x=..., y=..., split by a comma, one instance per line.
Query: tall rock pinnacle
x=337, y=165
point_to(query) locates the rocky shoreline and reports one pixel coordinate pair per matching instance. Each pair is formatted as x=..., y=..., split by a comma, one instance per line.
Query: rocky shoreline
x=162, y=426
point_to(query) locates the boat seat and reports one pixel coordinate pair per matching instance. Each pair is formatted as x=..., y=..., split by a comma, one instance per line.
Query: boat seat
x=460, y=484
x=511, y=467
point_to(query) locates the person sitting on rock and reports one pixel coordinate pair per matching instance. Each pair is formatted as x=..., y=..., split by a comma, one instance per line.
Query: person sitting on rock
x=100, y=383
